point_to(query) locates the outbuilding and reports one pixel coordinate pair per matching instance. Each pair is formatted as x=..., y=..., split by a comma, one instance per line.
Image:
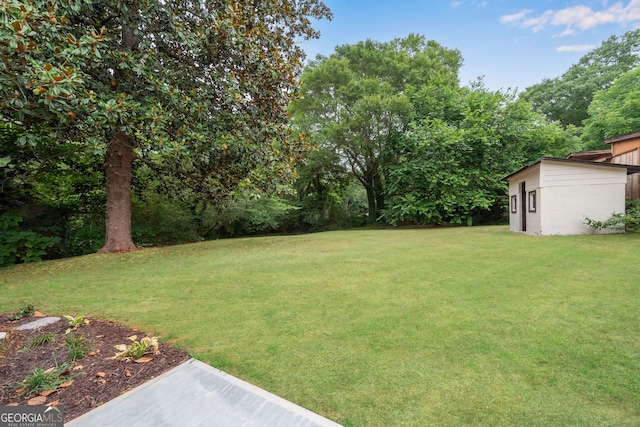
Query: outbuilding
x=553, y=196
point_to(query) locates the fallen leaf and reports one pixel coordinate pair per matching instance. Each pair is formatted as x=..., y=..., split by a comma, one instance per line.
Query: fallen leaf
x=48, y=371
x=102, y=381
x=143, y=360
x=38, y=314
x=99, y=336
x=127, y=373
x=54, y=403
x=92, y=353
x=13, y=404
x=66, y=384
x=47, y=392
x=36, y=401
x=78, y=368
x=20, y=390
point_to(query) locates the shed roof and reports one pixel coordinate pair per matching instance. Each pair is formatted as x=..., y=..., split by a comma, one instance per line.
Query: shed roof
x=625, y=137
x=631, y=169
x=591, y=155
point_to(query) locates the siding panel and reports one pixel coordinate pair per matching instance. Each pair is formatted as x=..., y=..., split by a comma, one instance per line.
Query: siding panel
x=567, y=194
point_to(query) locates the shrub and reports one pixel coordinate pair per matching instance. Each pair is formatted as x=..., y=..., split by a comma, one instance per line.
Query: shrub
x=247, y=214
x=628, y=221
x=157, y=219
x=84, y=234
x=17, y=245
x=26, y=310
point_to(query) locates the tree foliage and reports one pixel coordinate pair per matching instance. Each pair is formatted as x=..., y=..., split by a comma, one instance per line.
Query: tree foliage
x=615, y=110
x=356, y=101
x=326, y=194
x=451, y=164
x=567, y=98
x=197, y=91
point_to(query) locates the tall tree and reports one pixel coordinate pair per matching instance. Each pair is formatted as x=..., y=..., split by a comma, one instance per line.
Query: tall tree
x=357, y=100
x=615, y=110
x=451, y=163
x=195, y=90
x=567, y=98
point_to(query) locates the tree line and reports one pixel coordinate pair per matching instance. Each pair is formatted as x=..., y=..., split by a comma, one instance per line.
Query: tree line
x=173, y=122
x=426, y=150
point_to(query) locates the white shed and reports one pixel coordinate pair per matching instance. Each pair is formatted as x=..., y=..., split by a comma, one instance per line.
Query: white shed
x=554, y=196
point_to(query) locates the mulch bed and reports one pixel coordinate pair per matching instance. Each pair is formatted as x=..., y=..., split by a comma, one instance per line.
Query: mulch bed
x=96, y=378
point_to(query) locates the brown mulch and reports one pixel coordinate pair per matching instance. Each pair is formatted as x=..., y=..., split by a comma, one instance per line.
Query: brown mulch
x=96, y=379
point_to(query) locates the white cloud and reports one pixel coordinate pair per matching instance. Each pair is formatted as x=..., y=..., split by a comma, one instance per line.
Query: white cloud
x=508, y=19
x=480, y=4
x=576, y=48
x=577, y=18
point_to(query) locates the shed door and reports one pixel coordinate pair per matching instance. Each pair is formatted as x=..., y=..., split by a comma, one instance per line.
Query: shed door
x=523, y=206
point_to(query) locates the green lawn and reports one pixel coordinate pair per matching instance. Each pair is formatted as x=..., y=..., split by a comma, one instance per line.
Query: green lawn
x=454, y=326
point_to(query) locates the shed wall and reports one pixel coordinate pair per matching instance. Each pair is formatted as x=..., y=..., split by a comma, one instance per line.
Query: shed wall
x=531, y=178
x=633, y=180
x=566, y=194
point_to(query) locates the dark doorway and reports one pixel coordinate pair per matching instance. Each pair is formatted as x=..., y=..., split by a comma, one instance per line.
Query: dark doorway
x=523, y=207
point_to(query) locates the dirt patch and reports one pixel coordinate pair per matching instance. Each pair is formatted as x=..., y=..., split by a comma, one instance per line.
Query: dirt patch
x=88, y=382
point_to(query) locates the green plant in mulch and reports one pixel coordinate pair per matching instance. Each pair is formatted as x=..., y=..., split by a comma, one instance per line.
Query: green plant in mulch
x=78, y=346
x=75, y=322
x=26, y=310
x=40, y=380
x=38, y=340
x=137, y=349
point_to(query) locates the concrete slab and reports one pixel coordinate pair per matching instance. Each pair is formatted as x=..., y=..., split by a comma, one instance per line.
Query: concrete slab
x=196, y=394
x=43, y=321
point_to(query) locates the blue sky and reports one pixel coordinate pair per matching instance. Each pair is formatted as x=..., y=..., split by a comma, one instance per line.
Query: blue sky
x=513, y=44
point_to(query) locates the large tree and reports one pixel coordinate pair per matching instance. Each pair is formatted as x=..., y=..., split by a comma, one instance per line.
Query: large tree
x=615, y=110
x=197, y=91
x=451, y=164
x=358, y=100
x=567, y=98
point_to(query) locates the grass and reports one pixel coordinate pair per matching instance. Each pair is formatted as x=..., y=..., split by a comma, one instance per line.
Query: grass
x=455, y=326
x=40, y=339
x=40, y=380
x=77, y=345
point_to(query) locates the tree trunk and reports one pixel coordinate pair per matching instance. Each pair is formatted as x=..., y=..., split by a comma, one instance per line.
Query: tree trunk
x=371, y=199
x=118, y=169
x=380, y=195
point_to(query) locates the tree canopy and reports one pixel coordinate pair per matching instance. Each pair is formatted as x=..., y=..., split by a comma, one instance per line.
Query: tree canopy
x=357, y=100
x=450, y=165
x=203, y=113
x=566, y=99
x=197, y=91
x=615, y=110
